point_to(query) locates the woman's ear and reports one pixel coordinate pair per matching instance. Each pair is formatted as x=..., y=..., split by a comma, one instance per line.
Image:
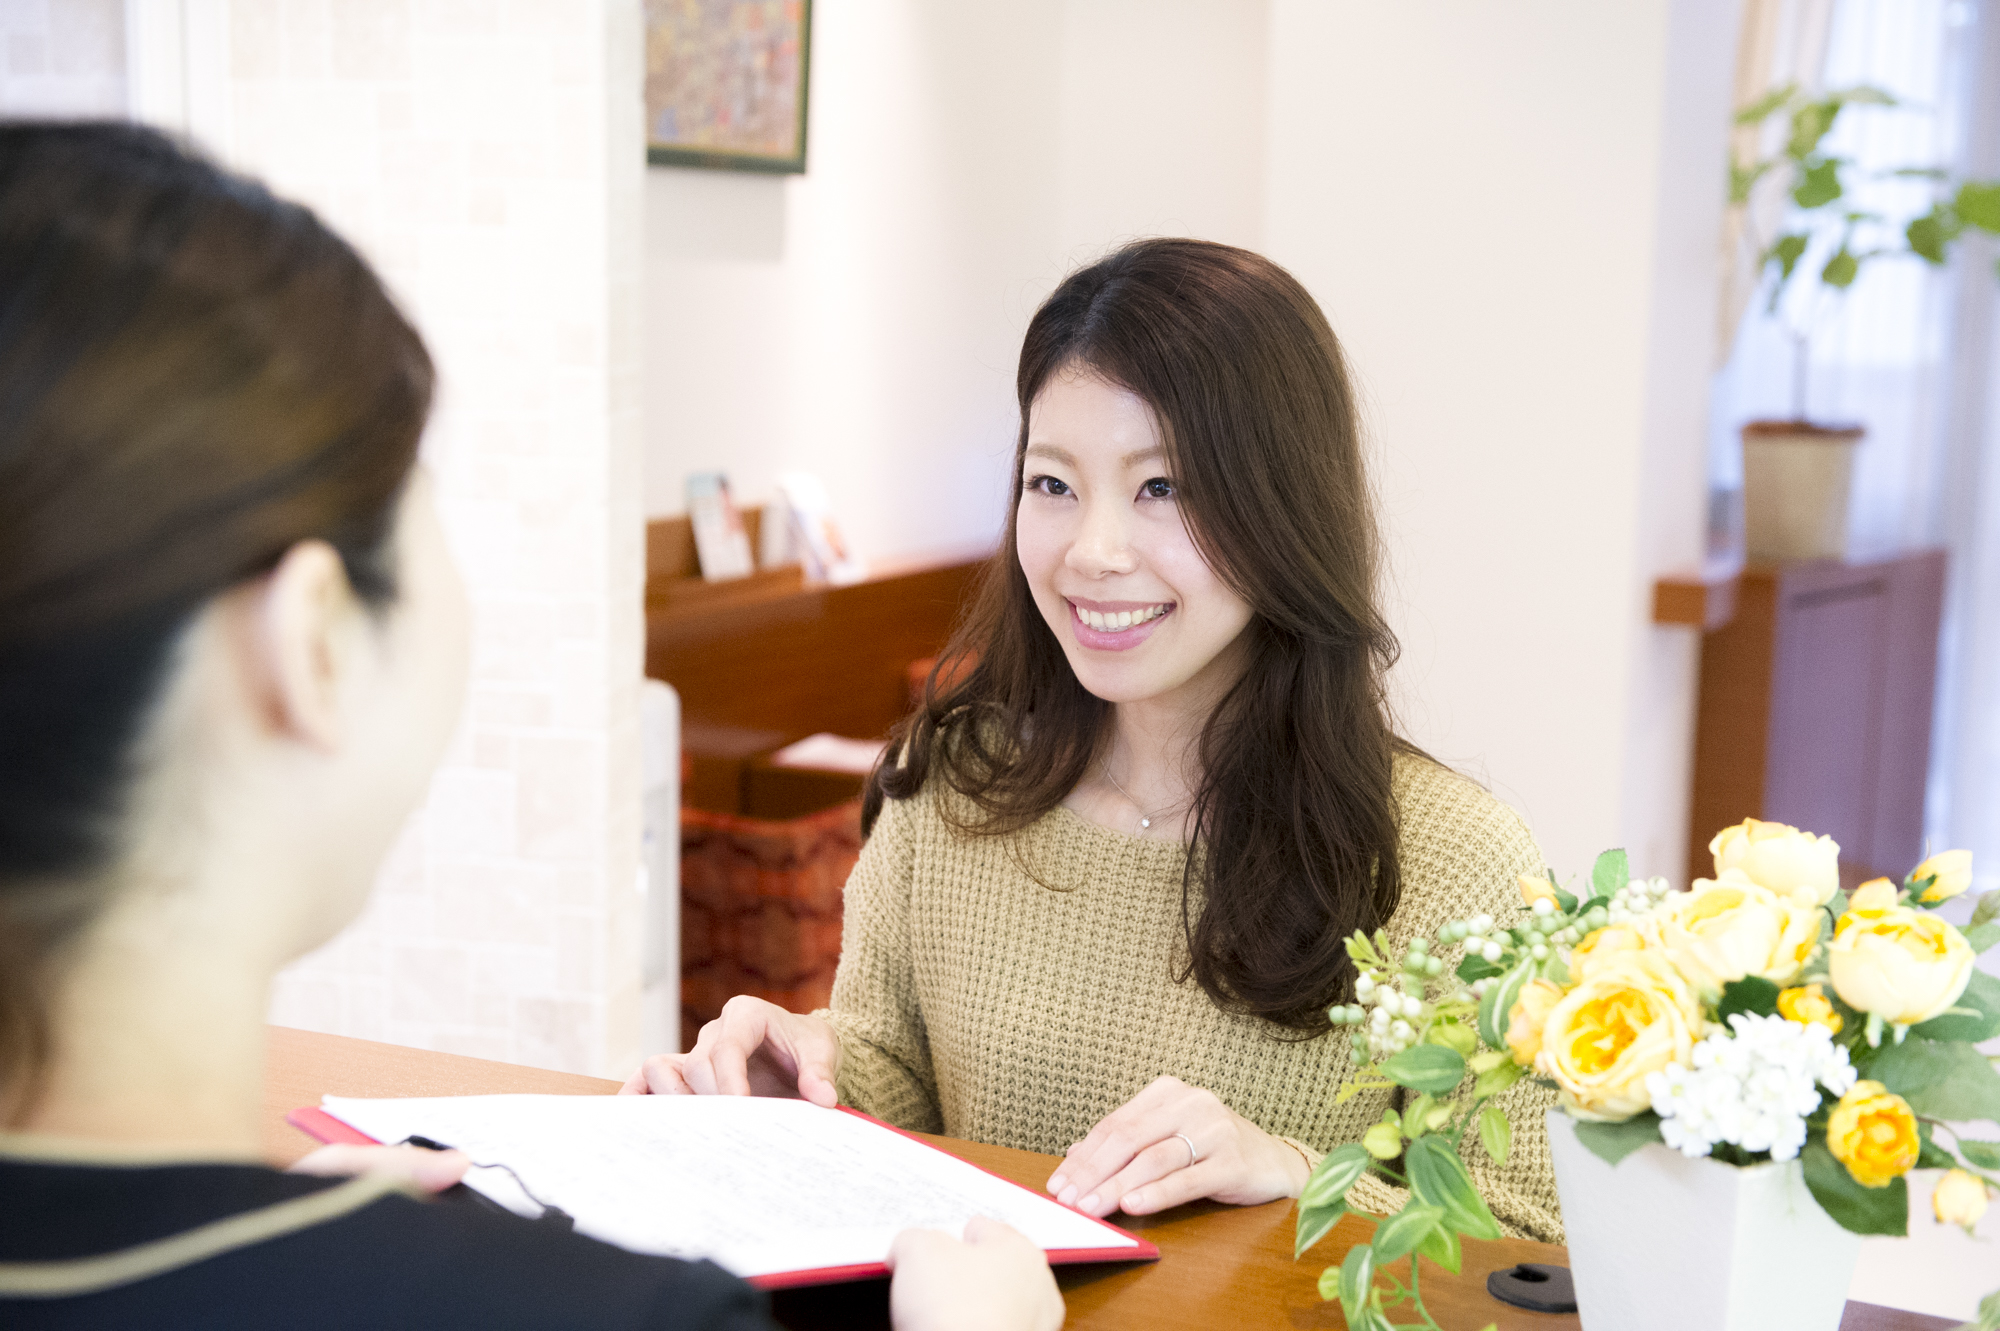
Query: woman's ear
x=302, y=622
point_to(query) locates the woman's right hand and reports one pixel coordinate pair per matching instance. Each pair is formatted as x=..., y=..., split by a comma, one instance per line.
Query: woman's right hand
x=993, y=1280
x=753, y=1048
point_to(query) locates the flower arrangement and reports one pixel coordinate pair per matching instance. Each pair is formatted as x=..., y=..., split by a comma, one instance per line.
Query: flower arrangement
x=1764, y=1014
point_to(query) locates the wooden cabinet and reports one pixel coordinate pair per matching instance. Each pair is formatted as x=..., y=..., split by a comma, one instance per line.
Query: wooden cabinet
x=765, y=660
x=1815, y=708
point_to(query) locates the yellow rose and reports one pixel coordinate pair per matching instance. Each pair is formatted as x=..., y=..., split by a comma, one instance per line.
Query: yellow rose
x=1900, y=964
x=1782, y=859
x=1535, y=889
x=1874, y=1134
x=1729, y=928
x=1631, y=1015
x=1524, y=1022
x=1960, y=1199
x=1607, y=942
x=1950, y=872
x=1808, y=1006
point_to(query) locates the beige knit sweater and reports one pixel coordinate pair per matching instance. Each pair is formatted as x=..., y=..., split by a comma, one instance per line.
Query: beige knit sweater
x=974, y=1001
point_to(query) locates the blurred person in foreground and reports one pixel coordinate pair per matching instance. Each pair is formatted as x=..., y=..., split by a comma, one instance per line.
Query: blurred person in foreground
x=232, y=648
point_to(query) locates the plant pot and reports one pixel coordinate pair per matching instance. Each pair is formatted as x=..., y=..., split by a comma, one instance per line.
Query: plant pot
x=1664, y=1243
x=1796, y=482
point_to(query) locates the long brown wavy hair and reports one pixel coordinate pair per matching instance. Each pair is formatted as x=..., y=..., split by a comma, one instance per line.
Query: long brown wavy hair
x=1293, y=817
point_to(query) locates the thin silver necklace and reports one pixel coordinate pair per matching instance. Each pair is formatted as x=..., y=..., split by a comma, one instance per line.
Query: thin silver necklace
x=1145, y=819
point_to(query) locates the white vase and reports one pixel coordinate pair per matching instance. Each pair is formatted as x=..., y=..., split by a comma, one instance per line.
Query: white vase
x=1797, y=481
x=1664, y=1243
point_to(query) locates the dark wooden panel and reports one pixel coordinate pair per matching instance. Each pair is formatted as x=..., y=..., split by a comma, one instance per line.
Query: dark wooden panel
x=1732, y=717
x=1815, y=708
x=823, y=658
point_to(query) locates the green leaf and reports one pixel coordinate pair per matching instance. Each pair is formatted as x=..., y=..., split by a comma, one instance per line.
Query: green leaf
x=1334, y=1175
x=1819, y=185
x=1329, y=1283
x=1476, y=968
x=1982, y=1000
x=1786, y=251
x=1984, y=1154
x=1612, y=1142
x=1357, y=1275
x=1765, y=105
x=1496, y=1079
x=1496, y=1134
x=1441, y=1246
x=1929, y=1154
x=1978, y=204
x=1566, y=902
x=1430, y=1068
x=1856, y=1209
x=1609, y=875
x=1498, y=1005
x=1810, y=122
x=1953, y=1082
x=1841, y=269
x=1314, y=1222
x=1987, y=910
x=1439, y=1178
x=1928, y=236
x=1981, y=936
x=1743, y=179
x=1398, y=1236
x=1752, y=994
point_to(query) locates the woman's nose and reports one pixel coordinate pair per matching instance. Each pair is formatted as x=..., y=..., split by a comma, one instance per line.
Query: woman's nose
x=1103, y=542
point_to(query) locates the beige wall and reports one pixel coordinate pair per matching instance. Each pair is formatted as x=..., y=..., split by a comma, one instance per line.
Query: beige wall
x=487, y=158
x=1510, y=214
x=862, y=321
x=62, y=57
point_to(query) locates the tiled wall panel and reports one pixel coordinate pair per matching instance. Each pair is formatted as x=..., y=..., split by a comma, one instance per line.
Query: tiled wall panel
x=486, y=155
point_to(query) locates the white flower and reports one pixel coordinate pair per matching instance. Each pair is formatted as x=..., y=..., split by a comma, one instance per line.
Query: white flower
x=1752, y=1087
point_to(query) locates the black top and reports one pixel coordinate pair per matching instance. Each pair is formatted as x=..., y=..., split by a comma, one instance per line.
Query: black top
x=393, y=1262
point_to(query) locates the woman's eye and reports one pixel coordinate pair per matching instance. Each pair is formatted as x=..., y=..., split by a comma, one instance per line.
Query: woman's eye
x=1158, y=488
x=1047, y=485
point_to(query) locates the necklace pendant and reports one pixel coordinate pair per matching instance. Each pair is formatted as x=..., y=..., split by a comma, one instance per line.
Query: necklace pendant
x=1145, y=823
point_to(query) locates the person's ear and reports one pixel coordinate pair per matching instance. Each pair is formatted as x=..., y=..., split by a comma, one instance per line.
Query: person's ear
x=303, y=622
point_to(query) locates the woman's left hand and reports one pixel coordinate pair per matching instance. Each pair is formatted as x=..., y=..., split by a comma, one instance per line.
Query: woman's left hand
x=1137, y=1161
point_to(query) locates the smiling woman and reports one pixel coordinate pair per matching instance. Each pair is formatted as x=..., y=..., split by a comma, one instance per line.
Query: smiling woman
x=1113, y=860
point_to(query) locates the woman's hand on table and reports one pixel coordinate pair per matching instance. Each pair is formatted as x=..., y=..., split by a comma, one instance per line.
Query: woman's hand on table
x=753, y=1048
x=433, y=1171
x=992, y=1280
x=1173, y=1143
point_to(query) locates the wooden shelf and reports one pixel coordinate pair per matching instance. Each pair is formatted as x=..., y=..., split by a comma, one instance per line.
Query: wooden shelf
x=765, y=660
x=1704, y=599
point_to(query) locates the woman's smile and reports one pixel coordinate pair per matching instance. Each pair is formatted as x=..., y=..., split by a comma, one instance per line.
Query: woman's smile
x=1114, y=626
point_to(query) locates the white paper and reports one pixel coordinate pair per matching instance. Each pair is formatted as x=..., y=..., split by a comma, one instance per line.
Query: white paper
x=758, y=1186
x=832, y=753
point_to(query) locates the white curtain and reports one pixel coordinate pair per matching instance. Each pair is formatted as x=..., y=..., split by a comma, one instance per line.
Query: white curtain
x=1913, y=353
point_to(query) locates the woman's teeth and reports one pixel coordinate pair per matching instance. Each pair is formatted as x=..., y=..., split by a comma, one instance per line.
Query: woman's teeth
x=1119, y=619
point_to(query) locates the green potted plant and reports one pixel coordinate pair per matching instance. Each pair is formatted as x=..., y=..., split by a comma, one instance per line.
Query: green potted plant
x=1797, y=473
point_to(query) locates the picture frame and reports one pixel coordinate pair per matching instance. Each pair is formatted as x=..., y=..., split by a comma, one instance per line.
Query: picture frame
x=728, y=83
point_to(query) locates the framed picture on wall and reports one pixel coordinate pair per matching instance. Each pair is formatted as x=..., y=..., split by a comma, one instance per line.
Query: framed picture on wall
x=726, y=83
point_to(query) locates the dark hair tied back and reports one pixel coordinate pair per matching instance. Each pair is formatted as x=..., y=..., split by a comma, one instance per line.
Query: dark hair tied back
x=1294, y=817
x=194, y=376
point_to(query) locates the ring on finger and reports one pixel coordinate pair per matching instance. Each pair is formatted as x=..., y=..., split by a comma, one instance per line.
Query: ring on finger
x=1193, y=1155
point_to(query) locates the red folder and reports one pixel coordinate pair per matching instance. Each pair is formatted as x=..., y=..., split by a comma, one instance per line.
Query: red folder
x=322, y=1126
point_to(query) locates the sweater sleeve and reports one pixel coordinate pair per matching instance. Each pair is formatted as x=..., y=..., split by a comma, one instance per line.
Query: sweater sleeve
x=885, y=1058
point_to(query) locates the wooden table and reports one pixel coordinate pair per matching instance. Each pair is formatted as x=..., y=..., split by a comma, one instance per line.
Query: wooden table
x=1220, y=1266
